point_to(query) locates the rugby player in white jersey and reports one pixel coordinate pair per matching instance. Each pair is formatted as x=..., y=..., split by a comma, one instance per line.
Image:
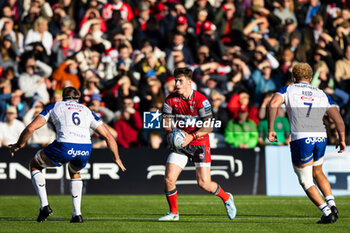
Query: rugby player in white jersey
x=306, y=106
x=72, y=145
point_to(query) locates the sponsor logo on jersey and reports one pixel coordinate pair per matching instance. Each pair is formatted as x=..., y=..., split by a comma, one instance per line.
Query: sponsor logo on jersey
x=313, y=140
x=207, y=106
x=78, y=152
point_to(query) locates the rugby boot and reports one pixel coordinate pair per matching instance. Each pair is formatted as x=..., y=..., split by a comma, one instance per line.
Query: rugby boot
x=230, y=207
x=77, y=219
x=169, y=217
x=327, y=219
x=45, y=212
x=335, y=212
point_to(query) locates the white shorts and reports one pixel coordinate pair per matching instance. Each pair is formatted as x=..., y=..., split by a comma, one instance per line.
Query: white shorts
x=181, y=160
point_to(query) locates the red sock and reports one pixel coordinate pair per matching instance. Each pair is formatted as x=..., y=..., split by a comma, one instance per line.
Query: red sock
x=172, y=200
x=221, y=193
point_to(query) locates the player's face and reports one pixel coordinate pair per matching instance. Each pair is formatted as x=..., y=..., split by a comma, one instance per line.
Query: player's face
x=182, y=84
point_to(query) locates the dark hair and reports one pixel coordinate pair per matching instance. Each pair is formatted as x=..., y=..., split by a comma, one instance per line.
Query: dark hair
x=70, y=93
x=185, y=71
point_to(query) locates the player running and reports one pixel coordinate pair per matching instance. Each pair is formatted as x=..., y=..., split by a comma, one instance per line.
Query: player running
x=185, y=104
x=306, y=106
x=73, y=145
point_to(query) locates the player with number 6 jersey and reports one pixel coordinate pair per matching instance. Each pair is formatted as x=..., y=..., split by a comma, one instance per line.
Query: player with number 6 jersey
x=72, y=122
x=306, y=106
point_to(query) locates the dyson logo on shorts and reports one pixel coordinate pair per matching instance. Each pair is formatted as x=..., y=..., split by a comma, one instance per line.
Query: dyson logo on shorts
x=78, y=152
x=314, y=140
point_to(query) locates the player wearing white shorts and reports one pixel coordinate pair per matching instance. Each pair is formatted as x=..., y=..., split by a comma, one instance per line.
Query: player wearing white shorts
x=72, y=145
x=306, y=106
x=186, y=103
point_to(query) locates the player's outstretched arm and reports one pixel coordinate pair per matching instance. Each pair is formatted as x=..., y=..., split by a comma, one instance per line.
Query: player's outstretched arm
x=111, y=143
x=339, y=123
x=37, y=123
x=274, y=105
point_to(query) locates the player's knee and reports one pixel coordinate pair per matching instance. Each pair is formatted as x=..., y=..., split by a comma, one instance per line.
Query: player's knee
x=33, y=165
x=305, y=175
x=169, y=181
x=203, y=184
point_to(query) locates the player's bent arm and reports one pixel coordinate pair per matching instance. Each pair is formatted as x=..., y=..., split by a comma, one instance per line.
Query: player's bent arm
x=37, y=123
x=111, y=143
x=205, y=130
x=274, y=105
x=339, y=123
x=199, y=133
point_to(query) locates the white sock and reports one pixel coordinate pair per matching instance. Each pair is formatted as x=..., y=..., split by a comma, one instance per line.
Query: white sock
x=325, y=209
x=330, y=200
x=76, y=188
x=39, y=184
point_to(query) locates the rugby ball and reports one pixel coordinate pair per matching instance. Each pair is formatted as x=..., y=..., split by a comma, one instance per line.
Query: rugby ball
x=176, y=138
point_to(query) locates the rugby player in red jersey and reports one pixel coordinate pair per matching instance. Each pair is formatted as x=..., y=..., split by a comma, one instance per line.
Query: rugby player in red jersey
x=185, y=104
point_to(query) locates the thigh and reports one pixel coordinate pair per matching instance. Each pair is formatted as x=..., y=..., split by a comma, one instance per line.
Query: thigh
x=178, y=159
x=172, y=171
x=41, y=161
x=320, y=148
x=302, y=150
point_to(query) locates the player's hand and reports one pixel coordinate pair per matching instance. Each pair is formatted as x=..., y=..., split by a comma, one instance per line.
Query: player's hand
x=341, y=145
x=272, y=136
x=14, y=148
x=120, y=164
x=188, y=138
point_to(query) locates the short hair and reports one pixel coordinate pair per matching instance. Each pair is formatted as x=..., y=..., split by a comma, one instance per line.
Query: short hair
x=185, y=71
x=302, y=71
x=70, y=93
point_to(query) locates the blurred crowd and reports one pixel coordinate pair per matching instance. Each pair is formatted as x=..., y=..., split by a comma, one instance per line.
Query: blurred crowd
x=121, y=56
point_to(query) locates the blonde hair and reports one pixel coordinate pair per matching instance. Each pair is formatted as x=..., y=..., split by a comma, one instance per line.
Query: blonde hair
x=38, y=21
x=302, y=71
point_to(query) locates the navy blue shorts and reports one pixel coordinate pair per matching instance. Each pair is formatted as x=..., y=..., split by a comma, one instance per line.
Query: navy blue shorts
x=63, y=152
x=305, y=149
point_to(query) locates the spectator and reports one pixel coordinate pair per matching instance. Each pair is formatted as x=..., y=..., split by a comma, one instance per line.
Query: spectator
x=9, y=52
x=67, y=71
x=242, y=132
x=264, y=80
x=130, y=122
x=33, y=81
x=342, y=70
x=11, y=128
x=61, y=49
x=16, y=102
x=39, y=33
x=228, y=24
x=124, y=8
x=7, y=29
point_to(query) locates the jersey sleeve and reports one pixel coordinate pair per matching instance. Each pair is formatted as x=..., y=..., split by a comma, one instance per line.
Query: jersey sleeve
x=167, y=107
x=204, y=109
x=329, y=101
x=95, y=122
x=47, y=111
x=283, y=92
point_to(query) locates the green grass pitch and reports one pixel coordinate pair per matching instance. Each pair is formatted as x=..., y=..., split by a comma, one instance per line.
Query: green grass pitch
x=198, y=213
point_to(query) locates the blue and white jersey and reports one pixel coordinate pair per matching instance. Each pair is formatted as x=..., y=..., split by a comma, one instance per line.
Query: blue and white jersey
x=72, y=121
x=306, y=106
